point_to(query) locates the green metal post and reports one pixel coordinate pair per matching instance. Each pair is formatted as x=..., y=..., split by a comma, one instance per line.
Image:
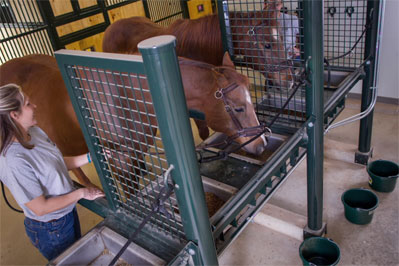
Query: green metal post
x=313, y=30
x=366, y=124
x=164, y=79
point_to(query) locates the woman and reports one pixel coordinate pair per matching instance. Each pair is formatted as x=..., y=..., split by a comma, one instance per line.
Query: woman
x=35, y=172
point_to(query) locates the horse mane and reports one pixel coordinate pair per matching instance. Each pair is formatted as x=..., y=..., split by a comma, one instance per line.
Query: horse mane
x=199, y=39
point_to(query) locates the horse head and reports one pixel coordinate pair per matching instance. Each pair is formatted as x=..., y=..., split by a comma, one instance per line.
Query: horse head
x=225, y=100
x=257, y=37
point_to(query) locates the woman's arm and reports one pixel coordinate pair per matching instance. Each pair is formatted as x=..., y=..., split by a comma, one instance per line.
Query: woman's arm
x=42, y=206
x=73, y=162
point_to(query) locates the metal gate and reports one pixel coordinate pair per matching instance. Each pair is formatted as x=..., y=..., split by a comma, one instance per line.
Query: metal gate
x=23, y=30
x=165, y=12
x=122, y=102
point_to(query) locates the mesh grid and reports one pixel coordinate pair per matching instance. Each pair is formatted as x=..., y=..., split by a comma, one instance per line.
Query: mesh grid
x=164, y=12
x=22, y=30
x=344, y=24
x=120, y=118
x=280, y=35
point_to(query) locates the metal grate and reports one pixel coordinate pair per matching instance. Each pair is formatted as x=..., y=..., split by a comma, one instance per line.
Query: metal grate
x=120, y=118
x=22, y=30
x=165, y=12
x=281, y=33
x=344, y=24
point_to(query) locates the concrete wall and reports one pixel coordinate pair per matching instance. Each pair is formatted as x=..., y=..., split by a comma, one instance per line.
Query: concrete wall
x=388, y=80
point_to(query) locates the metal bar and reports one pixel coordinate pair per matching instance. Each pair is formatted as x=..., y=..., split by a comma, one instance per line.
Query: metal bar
x=221, y=219
x=221, y=6
x=372, y=38
x=163, y=74
x=48, y=16
x=313, y=30
x=346, y=85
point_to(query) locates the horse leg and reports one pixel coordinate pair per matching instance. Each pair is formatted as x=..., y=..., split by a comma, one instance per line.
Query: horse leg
x=203, y=129
x=83, y=179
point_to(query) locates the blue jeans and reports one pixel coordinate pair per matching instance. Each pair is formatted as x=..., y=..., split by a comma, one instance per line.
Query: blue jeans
x=52, y=238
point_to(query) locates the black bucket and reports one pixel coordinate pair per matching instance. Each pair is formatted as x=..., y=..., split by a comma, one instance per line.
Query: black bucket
x=359, y=205
x=383, y=175
x=319, y=251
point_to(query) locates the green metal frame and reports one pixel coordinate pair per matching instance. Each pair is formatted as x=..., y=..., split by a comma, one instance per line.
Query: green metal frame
x=374, y=18
x=160, y=65
x=313, y=44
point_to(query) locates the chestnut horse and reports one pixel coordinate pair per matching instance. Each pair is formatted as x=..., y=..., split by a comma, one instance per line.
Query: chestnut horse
x=256, y=36
x=41, y=80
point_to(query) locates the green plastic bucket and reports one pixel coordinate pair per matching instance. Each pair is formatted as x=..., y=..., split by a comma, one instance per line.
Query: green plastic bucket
x=383, y=175
x=319, y=251
x=359, y=205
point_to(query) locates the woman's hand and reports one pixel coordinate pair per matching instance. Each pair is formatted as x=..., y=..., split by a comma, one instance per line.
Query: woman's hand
x=91, y=193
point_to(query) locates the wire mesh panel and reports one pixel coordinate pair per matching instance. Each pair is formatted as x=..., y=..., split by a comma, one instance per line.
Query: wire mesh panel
x=22, y=30
x=344, y=32
x=277, y=46
x=116, y=105
x=165, y=12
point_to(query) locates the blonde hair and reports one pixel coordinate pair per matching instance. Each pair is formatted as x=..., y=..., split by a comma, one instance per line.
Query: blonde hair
x=11, y=99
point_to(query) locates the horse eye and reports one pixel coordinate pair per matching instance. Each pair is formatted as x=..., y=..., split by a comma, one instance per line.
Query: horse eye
x=268, y=46
x=239, y=109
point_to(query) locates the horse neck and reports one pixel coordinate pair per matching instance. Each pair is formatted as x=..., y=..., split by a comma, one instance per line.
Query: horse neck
x=199, y=39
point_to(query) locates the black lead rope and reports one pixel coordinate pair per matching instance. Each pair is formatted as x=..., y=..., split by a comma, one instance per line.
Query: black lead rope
x=158, y=206
x=7, y=202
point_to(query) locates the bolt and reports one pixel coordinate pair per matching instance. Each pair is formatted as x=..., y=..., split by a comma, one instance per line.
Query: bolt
x=191, y=251
x=310, y=124
x=177, y=186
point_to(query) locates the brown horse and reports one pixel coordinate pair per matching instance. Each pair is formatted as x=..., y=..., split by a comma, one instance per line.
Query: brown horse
x=41, y=80
x=256, y=36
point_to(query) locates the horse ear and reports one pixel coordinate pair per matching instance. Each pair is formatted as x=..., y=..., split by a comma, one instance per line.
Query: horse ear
x=227, y=60
x=272, y=8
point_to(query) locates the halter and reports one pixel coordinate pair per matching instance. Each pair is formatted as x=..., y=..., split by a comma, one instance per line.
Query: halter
x=241, y=131
x=277, y=67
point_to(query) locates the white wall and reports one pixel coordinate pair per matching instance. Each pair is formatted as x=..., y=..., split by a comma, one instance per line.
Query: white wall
x=388, y=79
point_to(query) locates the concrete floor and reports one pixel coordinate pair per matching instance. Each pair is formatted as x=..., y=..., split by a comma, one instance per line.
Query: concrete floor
x=373, y=244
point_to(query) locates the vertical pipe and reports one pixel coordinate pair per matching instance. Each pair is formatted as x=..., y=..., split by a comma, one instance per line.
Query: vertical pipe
x=313, y=45
x=364, y=146
x=164, y=79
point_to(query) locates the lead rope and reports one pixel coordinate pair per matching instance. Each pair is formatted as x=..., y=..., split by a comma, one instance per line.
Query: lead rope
x=157, y=207
x=7, y=202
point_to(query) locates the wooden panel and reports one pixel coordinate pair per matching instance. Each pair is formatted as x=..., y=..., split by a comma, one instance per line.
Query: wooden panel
x=199, y=8
x=131, y=10
x=61, y=7
x=80, y=24
x=87, y=3
x=93, y=43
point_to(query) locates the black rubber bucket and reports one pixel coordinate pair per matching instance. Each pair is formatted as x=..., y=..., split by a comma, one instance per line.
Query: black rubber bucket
x=383, y=175
x=319, y=251
x=359, y=205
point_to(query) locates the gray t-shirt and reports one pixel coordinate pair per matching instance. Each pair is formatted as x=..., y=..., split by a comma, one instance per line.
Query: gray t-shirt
x=29, y=174
x=290, y=27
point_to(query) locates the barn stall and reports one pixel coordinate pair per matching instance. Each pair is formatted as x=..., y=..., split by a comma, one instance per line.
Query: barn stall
x=347, y=54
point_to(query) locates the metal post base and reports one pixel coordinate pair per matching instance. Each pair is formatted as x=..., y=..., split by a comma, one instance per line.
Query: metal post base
x=363, y=157
x=307, y=232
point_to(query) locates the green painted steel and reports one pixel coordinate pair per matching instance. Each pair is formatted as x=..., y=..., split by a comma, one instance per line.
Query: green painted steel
x=313, y=24
x=112, y=99
x=366, y=124
x=164, y=78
